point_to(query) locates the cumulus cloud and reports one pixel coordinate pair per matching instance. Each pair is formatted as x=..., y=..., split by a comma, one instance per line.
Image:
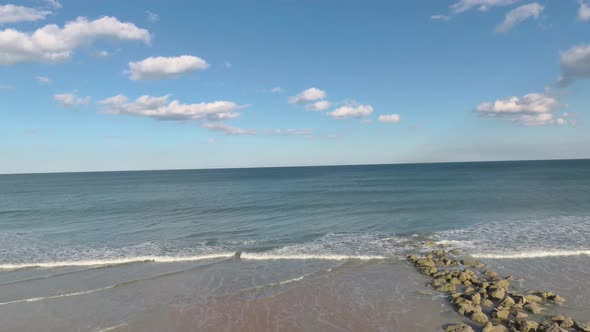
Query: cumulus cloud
x=69, y=100
x=482, y=5
x=533, y=109
x=352, y=110
x=14, y=14
x=440, y=17
x=389, y=118
x=584, y=11
x=152, y=17
x=309, y=95
x=43, y=79
x=318, y=106
x=518, y=15
x=575, y=64
x=155, y=68
x=52, y=44
x=161, y=108
x=227, y=129
x=54, y=3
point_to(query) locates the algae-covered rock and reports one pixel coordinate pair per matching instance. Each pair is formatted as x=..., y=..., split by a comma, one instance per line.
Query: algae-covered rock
x=507, y=303
x=459, y=328
x=494, y=328
x=501, y=314
x=424, y=262
x=487, y=303
x=448, y=288
x=549, y=326
x=525, y=325
x=475, y=298
x=473, y=263
x=584, y=327
x=533, y=298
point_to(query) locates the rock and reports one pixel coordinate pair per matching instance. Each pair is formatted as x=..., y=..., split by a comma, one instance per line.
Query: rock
x=533, y=298
x=494, y=328
x=429, y=270
x=549, y=326
x=501, y=314
x=519, y=299
x=584, y=327
x=465, y=309
x=455, y=281
x=498, y=294
x=502, y=283
x=469, y=290
x=487, y=303
x=558, y=299
x=458, y=328
x=479, y=317
x=425, y=262
x=526, y=325
x=438, y=282
x=491, y=274
x=448, y=288
x=412, y=258
x=455, y=251
x=473, y=263
x=567, y=323
x=533, y=308
x=430, y=243
x=507, y=303
x=476, y=298
x=547, y=295
x=519, y=314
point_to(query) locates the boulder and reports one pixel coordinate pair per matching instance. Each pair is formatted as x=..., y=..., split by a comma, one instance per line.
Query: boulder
x=455, y=251
x=494, y=328
x=498, y=294
x=475, y=298
x=448, y=288
x=491, y=274
x=459, y=328
x=525, y=325
x=507, y=303
x=438, y=282
x=549, y=326
x=584, y=327
x=533, y=308
x=533, y=298
x=479, y=317
x=567, y=323
x=487, y=303
x=473, y=263
x=519, y=314
x=501, y=314
x=465, y=308
x=425, y=262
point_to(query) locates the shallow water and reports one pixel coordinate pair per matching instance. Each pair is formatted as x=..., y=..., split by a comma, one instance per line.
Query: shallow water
x=322, y=246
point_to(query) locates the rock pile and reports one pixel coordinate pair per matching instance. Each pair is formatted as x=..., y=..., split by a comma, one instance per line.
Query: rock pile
x=488, y=299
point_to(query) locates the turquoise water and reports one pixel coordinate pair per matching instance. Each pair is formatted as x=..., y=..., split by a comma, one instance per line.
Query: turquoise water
x=121, y=248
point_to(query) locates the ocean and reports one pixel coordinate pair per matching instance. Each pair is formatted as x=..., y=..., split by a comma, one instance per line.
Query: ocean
x=322, y=248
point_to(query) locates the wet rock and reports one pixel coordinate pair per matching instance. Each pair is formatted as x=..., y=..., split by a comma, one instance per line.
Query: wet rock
x=425, y=262
x=507, y=303
x=455, y=281
x=584, y=327
x=459, y=328
x=430, y=243
x=494, y=328
x=475, y=298
x=558, y=299
x=447, y=288
x=455, y=251
x=429, y=270
x=519, y=299
x=524, y=325
x=473, y=263
x=465, y=309
x=501, y=314
x=439, y=252
x=533, y=298
x=567, y=323
x=498, y=294
x=438, y=282
x=491, y=274
x=479, y=317
x=487, y=303
x=502, y=283
x=519, y=314
x=470, y=290
x=412, y=258
x=549, y=326
x=533, y=308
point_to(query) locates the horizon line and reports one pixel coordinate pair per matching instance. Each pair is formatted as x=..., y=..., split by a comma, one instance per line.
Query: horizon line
x=294, y=166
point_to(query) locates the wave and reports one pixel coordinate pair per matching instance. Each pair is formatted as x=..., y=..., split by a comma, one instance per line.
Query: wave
x=178, y=259
x=36, y=299
x=533, y=254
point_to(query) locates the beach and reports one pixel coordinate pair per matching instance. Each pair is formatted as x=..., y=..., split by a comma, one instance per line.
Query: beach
x=321, y=248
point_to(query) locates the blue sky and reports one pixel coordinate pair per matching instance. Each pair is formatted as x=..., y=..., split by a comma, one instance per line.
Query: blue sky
x=115, y=85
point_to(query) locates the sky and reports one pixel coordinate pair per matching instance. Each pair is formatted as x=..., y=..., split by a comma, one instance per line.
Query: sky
x=130, y=85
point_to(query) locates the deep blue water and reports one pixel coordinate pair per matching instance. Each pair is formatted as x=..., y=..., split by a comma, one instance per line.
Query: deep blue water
x=348, y=210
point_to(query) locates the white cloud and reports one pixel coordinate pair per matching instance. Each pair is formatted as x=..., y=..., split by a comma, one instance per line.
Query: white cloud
x=277, y=89
x=227, y=129
x=482, y=5
x=575, y=64
x=289, y=132
x=103, y=54
x=352, y=110
x=309, y=95
x=518, y=15
x=70, y=100
x=43, y=79
x=440, y=17
x=584, y=11
x=155, y=68
x=14, y=14
x=320, y=105
x=161, y=108
x=53, y=44
x=533, y=109
x=389, y=118
x=152, y=17
x=54, y=3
